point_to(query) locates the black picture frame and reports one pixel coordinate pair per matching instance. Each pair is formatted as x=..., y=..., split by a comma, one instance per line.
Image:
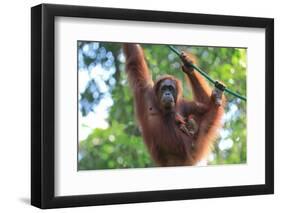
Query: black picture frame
x=43, y=102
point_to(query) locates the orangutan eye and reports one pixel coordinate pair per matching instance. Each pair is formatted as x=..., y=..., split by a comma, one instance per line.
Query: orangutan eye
x=163, y=88
x=171, y=88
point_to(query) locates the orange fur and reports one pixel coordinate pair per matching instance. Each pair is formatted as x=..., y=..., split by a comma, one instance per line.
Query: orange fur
x=166, y=142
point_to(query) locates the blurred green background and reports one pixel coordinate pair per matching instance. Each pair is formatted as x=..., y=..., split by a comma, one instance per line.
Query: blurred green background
x=108, y=135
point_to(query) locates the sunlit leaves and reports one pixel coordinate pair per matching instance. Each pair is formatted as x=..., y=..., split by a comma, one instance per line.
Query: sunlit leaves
x=112, y=148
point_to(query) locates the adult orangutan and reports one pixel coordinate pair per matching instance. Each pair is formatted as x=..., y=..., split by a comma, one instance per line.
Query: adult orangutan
x=176, y=131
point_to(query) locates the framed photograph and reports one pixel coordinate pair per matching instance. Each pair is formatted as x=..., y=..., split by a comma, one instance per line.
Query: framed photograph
x=139, y=106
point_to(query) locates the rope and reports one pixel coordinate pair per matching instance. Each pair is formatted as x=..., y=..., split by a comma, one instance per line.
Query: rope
x=217, y=84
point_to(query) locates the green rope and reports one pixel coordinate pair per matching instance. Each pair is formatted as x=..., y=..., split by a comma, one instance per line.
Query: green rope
x=215, y=83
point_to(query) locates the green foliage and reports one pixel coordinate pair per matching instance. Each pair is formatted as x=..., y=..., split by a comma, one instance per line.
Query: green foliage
x=119, y=144
x=112, y=148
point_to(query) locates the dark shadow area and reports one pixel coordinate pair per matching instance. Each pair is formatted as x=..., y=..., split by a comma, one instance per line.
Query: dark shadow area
x=25, y=200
